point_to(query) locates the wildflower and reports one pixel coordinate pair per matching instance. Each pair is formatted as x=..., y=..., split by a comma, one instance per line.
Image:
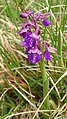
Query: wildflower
x=33, y=42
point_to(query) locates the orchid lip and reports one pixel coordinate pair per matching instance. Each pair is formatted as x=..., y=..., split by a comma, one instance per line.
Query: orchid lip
x=47, y=55
x=46, y=22
x=34, y=58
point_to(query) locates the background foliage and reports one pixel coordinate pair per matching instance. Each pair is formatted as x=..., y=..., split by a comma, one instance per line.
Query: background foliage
x=20, y=81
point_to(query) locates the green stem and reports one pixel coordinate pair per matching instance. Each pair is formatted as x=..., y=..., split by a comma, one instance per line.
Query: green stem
x=45, y=85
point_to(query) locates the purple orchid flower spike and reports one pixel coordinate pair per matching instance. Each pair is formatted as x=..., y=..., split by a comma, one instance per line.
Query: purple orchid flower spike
x=33, y=41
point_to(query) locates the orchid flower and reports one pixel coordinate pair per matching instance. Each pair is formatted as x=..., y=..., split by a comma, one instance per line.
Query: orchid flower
x=32, y=40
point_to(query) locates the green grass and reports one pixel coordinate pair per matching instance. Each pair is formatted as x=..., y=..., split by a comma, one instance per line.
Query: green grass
x=21, y=94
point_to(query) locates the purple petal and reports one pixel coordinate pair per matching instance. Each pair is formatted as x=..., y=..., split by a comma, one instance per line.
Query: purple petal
x=38, y=16
x=22, y=43
x=23, y=15
x=30, y=23
x=35, y=50
x=46, y=22
x=42, y=16
x=29, y=12
x=30, y=42
x=46, y=43
x=51, y=49
x=26, y=14
x=38, y=57
x=37, y=30
x=27, y=50
x=47, y=55
x=22, y=32
x=35, y=36
x=34, y=58
x=45, y=16
x=21, y=24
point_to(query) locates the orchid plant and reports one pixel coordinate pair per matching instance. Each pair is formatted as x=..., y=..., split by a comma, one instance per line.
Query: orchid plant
x=34, y=45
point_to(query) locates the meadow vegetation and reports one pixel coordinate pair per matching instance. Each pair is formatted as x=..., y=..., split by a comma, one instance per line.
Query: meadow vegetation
x=21, y=88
